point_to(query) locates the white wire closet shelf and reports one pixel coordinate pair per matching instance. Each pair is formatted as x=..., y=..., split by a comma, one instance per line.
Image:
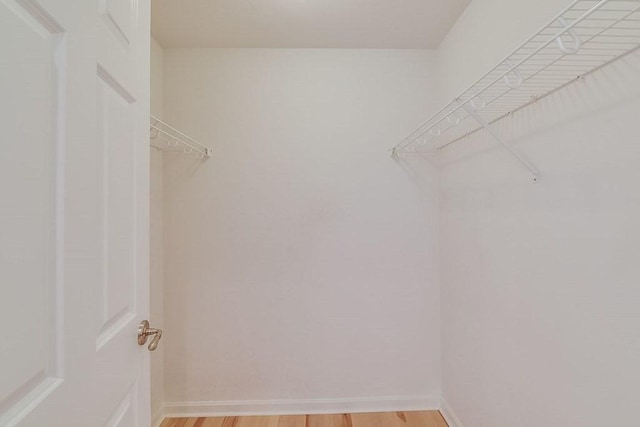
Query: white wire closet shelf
x=168, y=138
x=584, y=37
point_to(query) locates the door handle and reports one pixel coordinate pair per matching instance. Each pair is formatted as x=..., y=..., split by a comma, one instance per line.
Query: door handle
x=144, y=332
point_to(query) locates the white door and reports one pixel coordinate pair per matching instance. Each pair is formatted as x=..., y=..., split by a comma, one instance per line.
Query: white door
x=73, y=212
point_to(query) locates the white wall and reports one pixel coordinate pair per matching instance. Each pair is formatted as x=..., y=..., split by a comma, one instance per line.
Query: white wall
x=540, y=295
x=300, y=261
x=156, y=237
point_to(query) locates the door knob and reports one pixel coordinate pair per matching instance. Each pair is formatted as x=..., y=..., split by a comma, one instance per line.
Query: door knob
x=144, y=332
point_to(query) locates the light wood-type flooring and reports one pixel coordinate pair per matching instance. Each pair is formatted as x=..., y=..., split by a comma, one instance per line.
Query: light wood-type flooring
x=383, y=419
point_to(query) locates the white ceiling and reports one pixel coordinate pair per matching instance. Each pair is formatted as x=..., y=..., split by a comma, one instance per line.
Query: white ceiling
x=393, y=24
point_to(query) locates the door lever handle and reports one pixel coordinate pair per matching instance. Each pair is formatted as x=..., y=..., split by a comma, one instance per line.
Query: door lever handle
x=144, y=332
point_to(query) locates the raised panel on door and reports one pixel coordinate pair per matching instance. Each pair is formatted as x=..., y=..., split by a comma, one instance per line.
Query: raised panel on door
x=124, y=415
x=116, y=137
x=118, y=16
x=31, y=279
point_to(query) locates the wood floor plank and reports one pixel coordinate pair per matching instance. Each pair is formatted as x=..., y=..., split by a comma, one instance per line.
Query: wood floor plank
x=292, y=421
x=230, y=421
x=333, y=420
x=213, y=422
x=386, y=419
x=257, y=422
x=425, y=419
x=378, y=419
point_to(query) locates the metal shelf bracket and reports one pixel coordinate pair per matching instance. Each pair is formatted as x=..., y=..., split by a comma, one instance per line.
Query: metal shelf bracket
x=519, y=157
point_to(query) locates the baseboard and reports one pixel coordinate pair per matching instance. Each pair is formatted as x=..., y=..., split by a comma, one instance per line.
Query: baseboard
x=449, y=416
x=158, y=418
x=301, y=407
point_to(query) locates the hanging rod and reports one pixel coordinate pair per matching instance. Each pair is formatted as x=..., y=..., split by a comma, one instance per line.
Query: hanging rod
x=581, y=39
x=174, y=140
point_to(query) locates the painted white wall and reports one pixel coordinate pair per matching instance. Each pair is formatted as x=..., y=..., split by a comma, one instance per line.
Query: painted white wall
x=540, y=300
x=156, y=237
x=301, y=260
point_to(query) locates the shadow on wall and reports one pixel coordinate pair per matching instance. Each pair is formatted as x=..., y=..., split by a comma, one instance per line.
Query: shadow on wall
x=585, y=98
x=422, y=169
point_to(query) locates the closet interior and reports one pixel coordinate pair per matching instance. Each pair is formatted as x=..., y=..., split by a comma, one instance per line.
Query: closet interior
x=298, y=268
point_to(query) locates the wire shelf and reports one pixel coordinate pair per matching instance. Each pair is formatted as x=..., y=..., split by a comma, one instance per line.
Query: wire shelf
x=168, y=138
x=585, y=36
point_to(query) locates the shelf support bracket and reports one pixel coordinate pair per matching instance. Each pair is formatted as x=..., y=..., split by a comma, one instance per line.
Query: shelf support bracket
x=522, y=160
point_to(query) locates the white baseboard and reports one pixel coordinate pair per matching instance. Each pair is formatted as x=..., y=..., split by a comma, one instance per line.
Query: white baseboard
x=158, y=418
x=301, y=407
x=449, y=416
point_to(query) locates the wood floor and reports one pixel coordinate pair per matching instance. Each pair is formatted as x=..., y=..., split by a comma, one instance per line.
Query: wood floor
x=386, y=419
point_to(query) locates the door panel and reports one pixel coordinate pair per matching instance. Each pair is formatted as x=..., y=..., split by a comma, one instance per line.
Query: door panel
x=30, y=253
x=117, y=164
x=124, y=415
x=118, y=16
x=73, y=212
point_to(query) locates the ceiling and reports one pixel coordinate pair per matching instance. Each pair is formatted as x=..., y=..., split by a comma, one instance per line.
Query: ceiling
x=375, y=24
